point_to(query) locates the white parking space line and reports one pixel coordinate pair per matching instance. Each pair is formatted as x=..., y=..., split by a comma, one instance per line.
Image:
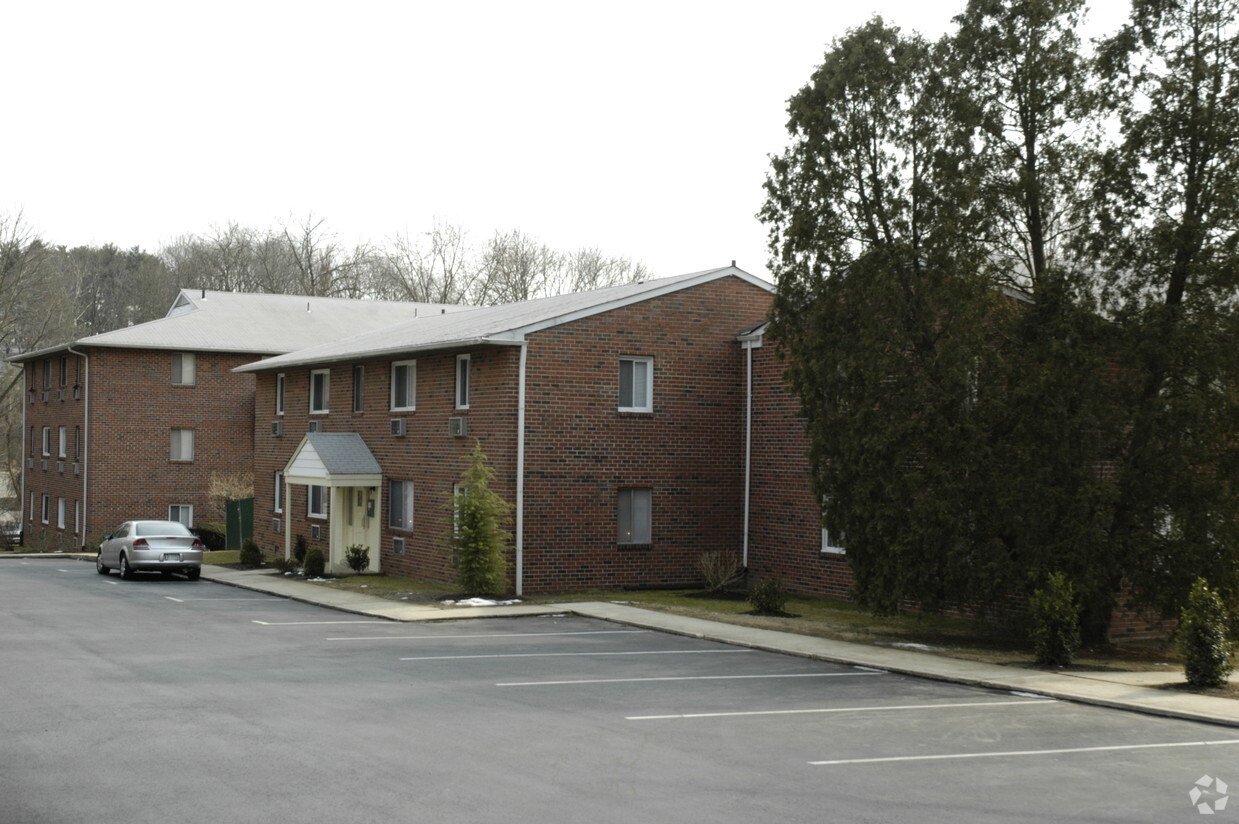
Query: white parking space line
x=688, y=678
x=186, y=600
x=493, y=635
x=170, y=598
x=1014, y=753
x=313, y=623
x=970, y=704
x=579, y=654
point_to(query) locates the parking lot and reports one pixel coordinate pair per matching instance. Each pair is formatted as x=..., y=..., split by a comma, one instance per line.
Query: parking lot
x=164, y=700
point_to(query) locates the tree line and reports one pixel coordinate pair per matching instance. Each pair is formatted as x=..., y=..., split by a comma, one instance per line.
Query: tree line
x=50, y=293
x=1008, y=282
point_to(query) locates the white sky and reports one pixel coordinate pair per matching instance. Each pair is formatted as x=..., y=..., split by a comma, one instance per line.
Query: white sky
x=642, y=128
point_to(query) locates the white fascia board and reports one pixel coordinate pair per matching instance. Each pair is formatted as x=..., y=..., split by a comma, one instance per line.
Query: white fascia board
x=376, y=354
x=333, y=481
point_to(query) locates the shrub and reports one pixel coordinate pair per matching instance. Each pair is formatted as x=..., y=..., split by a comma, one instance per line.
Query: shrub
x=478, y=537
x=720, y=569
x=1055, y=622
x=315, y=564
x=212, y=535
x=768, y=597
x=357, y=557
x=285, y=564
x=251, y=555
x=1202, y=638
x=299, y=548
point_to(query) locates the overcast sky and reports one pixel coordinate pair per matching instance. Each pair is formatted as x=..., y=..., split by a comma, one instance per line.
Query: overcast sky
x=641, y=128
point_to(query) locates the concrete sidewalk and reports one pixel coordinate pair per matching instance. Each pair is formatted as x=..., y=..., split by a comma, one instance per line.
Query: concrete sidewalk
x=1135, y=691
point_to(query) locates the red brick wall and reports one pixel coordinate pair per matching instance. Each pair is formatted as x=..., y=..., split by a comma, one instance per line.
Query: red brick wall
x=54, y=407
x=785, y=533
x=134, y=407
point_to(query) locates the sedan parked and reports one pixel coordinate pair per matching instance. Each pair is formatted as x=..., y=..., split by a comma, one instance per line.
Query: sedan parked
x=154, y=546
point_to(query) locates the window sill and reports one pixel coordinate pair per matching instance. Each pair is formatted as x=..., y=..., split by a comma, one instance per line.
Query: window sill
x=636, y=547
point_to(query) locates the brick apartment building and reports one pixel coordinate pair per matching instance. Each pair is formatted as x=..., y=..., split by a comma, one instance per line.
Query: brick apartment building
x=614, y=421
x=133, y=423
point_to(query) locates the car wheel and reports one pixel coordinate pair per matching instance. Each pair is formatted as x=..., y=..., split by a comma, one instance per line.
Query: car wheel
x=125, y=571
x=99, y=567
x=193, y=574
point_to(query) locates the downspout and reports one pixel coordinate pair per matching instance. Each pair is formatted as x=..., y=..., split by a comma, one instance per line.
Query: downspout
x=24, y=495
x=85, y=438
x=520, y=470
x=748, y=445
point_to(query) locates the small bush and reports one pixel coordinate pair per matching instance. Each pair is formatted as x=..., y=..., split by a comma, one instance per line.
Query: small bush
x=285, y=564
x=720, y=570
x=315, y=564
x=1202, y=638
x=299, y=549
x=357, y=557
x=213, y=536
x=768, y=597
x=251, y=555
x=1055, y=622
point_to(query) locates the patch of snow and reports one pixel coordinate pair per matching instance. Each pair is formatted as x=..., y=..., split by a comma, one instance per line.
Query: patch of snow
x=319, y=580
x=364, y=586
x=481, y=602
x=922, y=647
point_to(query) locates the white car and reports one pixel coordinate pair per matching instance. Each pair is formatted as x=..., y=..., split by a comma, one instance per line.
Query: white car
x=151, y=546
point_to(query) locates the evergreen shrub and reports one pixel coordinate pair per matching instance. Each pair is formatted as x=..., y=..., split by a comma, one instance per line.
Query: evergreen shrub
x=1202, y=638
x=315, y=564
x=1055, y=622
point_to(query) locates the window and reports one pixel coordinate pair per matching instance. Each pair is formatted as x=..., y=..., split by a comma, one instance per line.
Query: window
x=318, y=501
x=47, y=441
x=359, y=388
x=832, y=539
x=404, y=385
x=46, y=506
x=77, y=443
x=32, y=442
x=279, y=394
x=320, y=387
x=47, y=378
x=184, y=513
x=64, y=370
x=183, y=370
x=458, y=498
x=182, y=445
x=279, y=492
x=60, y=513
x=462, y=381
x=636, y=384
x=634, y=516
x=400, y=505
x=77, y=517
x=63, y=438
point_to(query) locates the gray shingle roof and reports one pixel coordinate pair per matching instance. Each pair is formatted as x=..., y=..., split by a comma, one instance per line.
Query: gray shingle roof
x=504, y=324
x=343, y=453
x=261, y=324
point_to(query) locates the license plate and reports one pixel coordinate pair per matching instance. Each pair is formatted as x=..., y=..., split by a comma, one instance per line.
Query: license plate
x=172, y=556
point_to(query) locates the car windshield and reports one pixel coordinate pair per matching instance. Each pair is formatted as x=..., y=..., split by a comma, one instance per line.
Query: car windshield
x=152, y=528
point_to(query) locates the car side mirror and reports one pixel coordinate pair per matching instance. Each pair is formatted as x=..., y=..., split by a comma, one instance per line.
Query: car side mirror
x=107, y=537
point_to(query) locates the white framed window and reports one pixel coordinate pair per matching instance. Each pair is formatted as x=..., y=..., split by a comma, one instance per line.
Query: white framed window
x=64, y=370
x=182, y=447
x=60, y=513
x=181, y=512
x=320, y=391
x=459, y=491
x=463, y=363
x=77, y=517
x=279, y=492
x=63, y=445
x=317, y=502
x=404, y=386
x=400, y=505
x=77, y=443
x=633, y=515
x=636, y=384
x=832, y=539
x=184, y=369
x=47, y=503
x=279, y=394
x=47, y=441
x=359, y=388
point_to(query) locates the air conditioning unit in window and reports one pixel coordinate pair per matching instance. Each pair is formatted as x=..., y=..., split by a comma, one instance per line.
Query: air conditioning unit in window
x=397, y=546
x=277, y=428
x=60, y=395
x=77, y=393
x=60, y=466
x=316, y=531
x=276, y=524
x=30, y=463
x=398, y=427
x=316, y=426
x=77, y=467
x=458, y=427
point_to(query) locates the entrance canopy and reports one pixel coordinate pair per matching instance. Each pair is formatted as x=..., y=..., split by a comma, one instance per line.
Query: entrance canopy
x=333, y=459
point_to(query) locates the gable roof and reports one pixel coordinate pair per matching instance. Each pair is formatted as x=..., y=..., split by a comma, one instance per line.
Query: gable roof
x=332, y=456
x=259, y=324
x=497, y=325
